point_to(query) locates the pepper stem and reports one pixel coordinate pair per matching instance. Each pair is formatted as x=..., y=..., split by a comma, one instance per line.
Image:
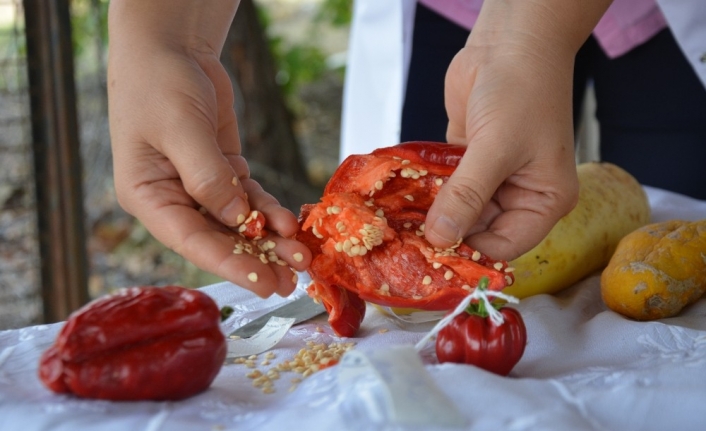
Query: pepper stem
x=483, y=307
x=480, y=308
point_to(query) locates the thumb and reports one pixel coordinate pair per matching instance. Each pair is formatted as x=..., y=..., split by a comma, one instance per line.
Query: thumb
x=461, y=200
x=209, y=176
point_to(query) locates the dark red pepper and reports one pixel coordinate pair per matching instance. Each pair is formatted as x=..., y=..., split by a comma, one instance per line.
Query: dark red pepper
x=473, y=338
x=366, y=237
x=140, y=343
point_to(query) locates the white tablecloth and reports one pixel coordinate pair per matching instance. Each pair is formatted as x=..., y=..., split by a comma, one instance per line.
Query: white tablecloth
x=585, y=368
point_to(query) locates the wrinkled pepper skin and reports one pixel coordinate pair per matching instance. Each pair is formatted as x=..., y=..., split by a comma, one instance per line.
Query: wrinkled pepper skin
x=476, y=340
x=140, y=343
x=367, y=237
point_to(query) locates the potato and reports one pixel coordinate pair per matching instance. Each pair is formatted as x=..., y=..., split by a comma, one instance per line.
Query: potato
x=657, y=270
x=611, y=205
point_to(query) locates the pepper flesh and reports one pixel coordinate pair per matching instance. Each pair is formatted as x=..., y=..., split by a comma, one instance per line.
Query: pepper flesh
x=140, y=343
x=367, y=237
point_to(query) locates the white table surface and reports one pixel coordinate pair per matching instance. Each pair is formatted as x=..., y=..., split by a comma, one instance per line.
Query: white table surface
x=584, y=368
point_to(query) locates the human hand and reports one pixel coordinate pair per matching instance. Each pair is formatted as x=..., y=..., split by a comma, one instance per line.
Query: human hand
x=509, y=99
x=177, y=157
x=518, y=175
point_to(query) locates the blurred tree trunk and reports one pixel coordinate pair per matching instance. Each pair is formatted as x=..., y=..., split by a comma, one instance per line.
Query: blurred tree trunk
x=265, y=122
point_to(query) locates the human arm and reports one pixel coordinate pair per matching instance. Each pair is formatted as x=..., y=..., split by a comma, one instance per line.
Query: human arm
x=509, y=99
x=175, y=142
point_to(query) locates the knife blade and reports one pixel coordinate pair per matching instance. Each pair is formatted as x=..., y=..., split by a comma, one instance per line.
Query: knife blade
x=301, y=309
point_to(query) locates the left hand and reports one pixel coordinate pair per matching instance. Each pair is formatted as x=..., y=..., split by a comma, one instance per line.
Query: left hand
x=509, y=100
x=518, y=175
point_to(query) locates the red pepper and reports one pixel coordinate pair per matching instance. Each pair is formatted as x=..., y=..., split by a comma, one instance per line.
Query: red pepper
x=473, y=338
x=140, y=343
x=367, y=240
x=253, y=228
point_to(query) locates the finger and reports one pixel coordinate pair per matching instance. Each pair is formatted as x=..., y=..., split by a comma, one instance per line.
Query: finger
x=267, y=250
x=458, y=83
x=279, y=219
x=526, y=219
x=284, y=254
x=288, y=279
x=491, y=211
x=273, y=248
x=283, y=222
x=170, y=215
x=462, y=199
x=188, y=233
x=239, y=165
x=206, y=173
x=228, y=137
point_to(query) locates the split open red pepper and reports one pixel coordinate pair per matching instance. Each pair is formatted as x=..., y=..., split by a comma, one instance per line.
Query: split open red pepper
x=367, y=237
x=140, y=343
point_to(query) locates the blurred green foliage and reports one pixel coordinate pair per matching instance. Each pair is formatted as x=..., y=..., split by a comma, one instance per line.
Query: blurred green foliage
x=338, y=13
x=302, y=63
x=89, y=24
x=297, y=64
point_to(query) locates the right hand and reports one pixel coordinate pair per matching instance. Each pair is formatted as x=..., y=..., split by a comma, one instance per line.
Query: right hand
x=177, y=157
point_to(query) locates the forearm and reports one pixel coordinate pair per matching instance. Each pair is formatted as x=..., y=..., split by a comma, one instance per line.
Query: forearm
x=549, y=28
x=191, y=24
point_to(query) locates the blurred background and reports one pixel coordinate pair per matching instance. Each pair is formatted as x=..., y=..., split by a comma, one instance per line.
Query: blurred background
x=63, y=238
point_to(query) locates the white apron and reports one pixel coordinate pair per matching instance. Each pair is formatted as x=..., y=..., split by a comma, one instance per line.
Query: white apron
x=378, y=56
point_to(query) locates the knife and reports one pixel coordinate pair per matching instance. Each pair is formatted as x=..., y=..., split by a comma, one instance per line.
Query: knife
x=301, y=309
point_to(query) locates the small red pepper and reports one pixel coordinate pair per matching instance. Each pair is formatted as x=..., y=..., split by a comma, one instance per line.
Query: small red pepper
x=367, y=237
x=473, y=338
x=253, y=228
x=140, y=343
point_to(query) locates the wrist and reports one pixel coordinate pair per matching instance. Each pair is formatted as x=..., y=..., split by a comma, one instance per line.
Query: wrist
x=550, y=29
x=180, y=24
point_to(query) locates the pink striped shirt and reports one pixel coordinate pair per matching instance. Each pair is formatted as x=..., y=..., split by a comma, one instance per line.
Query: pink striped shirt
x=625, y=25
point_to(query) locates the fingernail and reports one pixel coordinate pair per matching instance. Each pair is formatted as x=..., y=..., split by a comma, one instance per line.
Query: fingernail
x=232, y=214
x=446, y=229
